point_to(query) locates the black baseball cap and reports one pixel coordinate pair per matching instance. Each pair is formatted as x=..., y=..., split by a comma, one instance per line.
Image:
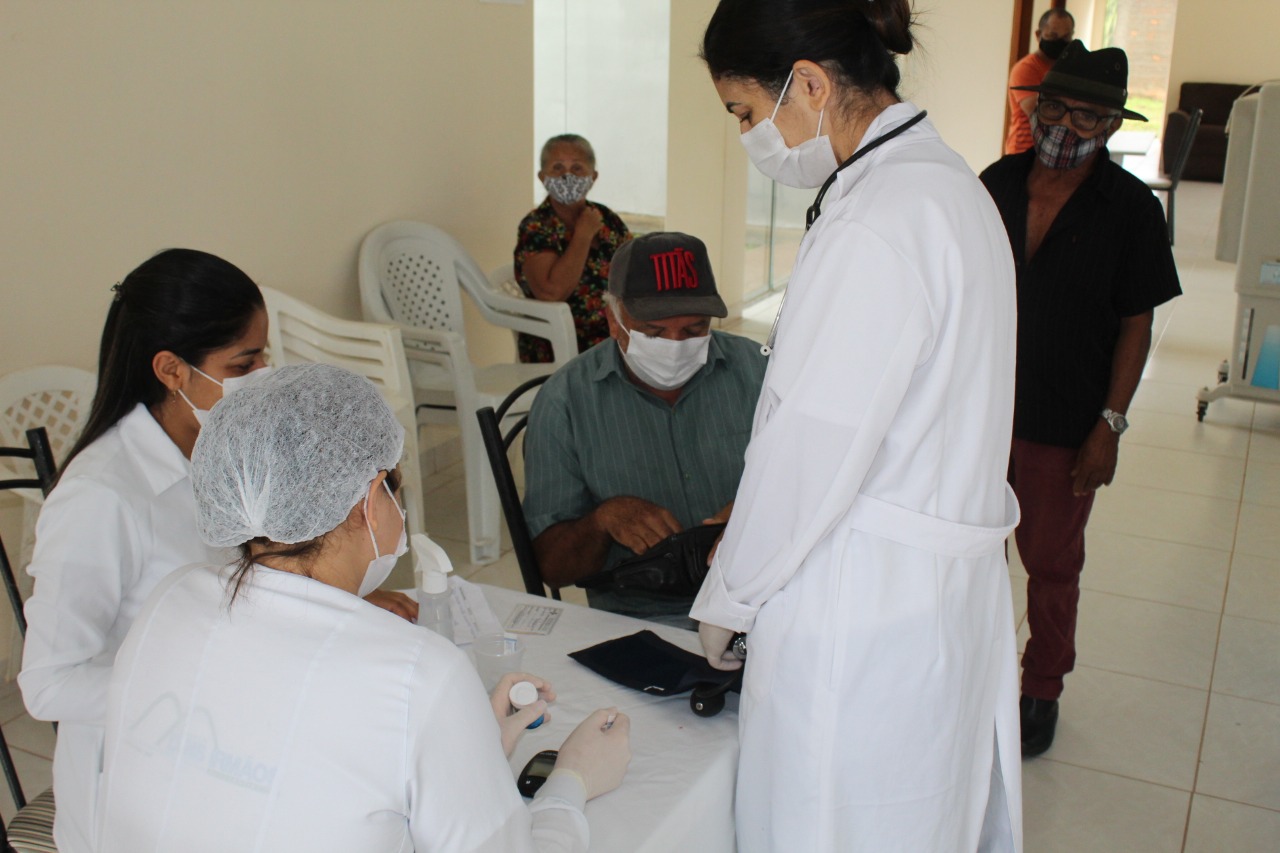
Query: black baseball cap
x=665, y=274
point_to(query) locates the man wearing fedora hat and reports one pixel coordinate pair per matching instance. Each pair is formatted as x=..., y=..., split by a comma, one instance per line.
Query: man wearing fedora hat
x=1093, y=261
x=644, y=434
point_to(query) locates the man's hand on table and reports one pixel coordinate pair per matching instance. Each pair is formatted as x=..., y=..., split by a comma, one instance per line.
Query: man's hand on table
x=394, y=602
x=635, y=523
x=715, y=645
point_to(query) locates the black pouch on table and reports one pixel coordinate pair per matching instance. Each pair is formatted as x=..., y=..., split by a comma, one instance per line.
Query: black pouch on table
x=646, y=662
x=675, y=566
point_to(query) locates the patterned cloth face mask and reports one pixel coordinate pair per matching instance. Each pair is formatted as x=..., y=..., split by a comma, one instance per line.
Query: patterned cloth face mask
x=568, y=189
x=1060, y=147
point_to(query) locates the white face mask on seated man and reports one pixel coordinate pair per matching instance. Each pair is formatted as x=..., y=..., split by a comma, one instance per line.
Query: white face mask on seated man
x=661, y=363
x=657, y=277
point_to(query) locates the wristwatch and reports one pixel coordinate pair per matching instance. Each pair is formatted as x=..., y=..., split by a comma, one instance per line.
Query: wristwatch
x=1118, y=422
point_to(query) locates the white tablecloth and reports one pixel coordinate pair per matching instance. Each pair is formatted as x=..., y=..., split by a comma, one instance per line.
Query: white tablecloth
x=678, y=793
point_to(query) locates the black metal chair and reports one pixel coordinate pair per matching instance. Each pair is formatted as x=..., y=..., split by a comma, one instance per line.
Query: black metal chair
x=1168, y=183
x=32, y=828
x=496, y=445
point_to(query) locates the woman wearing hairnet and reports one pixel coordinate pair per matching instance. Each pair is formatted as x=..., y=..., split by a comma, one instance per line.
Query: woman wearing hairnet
x=265, y=706
x=184, y=329
x=864, y=554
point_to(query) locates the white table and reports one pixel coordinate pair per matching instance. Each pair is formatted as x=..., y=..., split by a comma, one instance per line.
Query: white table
x=678, y=793
x=1130, y=142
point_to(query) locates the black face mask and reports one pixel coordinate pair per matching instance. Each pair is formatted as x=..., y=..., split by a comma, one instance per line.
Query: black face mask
x=1053, y=48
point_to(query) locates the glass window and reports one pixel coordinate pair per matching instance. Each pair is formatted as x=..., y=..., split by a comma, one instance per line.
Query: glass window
x=600, y=69
x=1145, y=31
x=775, y=226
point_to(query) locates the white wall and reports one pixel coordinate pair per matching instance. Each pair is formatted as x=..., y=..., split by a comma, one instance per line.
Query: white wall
x=273, y=132
x=278, y=132
x=959, y=73
x=706, y=178
x=1224, y=41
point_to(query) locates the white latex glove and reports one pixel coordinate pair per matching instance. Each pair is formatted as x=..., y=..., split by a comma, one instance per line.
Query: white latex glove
x=513, y=723
x=598, y=757
x=715, y=645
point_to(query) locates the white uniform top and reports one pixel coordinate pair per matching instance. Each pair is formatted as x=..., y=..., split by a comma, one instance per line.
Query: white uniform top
x=298, y=717
x=120, y=519
x=864, y=550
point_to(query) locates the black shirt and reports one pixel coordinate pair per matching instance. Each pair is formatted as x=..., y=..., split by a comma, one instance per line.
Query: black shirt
x=1105, y=257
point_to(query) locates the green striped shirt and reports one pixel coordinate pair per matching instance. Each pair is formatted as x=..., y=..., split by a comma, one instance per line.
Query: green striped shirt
x=594, y=434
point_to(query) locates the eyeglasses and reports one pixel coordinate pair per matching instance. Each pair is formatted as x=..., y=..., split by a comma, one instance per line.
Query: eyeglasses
x=1086, y=120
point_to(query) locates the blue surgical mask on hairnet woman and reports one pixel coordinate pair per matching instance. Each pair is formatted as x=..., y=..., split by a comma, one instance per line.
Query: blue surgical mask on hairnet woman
x=381, y=565
x=806, y=166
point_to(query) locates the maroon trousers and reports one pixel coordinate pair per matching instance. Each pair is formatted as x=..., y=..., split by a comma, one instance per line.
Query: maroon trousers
x=1050, y=540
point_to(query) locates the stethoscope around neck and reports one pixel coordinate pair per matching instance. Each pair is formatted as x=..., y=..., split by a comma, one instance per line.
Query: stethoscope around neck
x=815, y=209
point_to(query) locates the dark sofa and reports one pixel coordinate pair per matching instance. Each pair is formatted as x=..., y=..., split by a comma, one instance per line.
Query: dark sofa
x=1209, y=153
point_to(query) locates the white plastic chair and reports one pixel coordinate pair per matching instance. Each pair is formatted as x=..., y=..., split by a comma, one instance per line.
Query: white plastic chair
x=411, y=274
x=58, y=399
x=301, y=334
x=54, y=397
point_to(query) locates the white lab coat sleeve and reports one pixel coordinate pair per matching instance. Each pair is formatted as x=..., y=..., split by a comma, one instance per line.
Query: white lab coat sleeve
x=88, y=551
x=861, y=325
x=462, y=794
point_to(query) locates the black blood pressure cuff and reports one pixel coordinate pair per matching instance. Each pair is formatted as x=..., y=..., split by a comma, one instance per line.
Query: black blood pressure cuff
x=644, y=661
x=675, y=566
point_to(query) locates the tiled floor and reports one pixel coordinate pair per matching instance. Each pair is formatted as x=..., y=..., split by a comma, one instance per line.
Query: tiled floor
x=1170, y=732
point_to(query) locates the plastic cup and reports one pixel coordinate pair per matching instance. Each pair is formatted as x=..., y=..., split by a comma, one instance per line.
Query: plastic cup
x=496, y=655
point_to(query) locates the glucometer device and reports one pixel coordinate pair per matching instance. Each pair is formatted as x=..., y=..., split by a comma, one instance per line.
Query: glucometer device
x=536, y=772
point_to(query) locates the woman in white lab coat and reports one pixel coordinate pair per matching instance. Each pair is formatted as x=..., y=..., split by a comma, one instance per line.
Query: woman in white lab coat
x=122, y=516
x=864, y=555
x=267, y=707
x=183, y=329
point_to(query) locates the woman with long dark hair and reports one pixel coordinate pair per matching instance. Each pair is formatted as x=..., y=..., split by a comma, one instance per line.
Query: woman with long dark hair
x=184, y=329
x=864, y=554
x=122, y=515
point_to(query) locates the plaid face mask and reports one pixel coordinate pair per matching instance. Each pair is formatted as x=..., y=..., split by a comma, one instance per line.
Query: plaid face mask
x=1060, y=147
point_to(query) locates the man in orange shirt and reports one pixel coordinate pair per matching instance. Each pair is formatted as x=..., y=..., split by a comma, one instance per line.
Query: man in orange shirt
x=1056, y=30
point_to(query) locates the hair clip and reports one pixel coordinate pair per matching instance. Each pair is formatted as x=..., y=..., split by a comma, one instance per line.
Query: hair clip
x=118, y=289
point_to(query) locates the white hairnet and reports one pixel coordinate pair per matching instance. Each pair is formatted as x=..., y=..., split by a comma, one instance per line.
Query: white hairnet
x=289, y=456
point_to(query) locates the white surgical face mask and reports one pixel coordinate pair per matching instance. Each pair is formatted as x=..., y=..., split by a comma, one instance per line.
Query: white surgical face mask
x=228, y=385
x=806, y=166
x=568, y=189
x=381, y=565
x=664, y=364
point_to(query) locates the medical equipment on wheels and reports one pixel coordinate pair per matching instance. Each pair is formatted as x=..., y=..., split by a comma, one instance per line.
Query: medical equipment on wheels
x=1249, y=235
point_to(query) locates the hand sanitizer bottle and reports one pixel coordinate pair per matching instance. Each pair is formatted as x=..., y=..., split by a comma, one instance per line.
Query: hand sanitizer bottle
x=433, y=567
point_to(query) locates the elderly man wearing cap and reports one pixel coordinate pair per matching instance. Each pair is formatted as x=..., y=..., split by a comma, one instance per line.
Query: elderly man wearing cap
x=1093, y=261
x=644, y=434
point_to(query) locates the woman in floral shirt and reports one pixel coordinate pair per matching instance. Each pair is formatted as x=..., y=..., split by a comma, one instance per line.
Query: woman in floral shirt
x=564, y=245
